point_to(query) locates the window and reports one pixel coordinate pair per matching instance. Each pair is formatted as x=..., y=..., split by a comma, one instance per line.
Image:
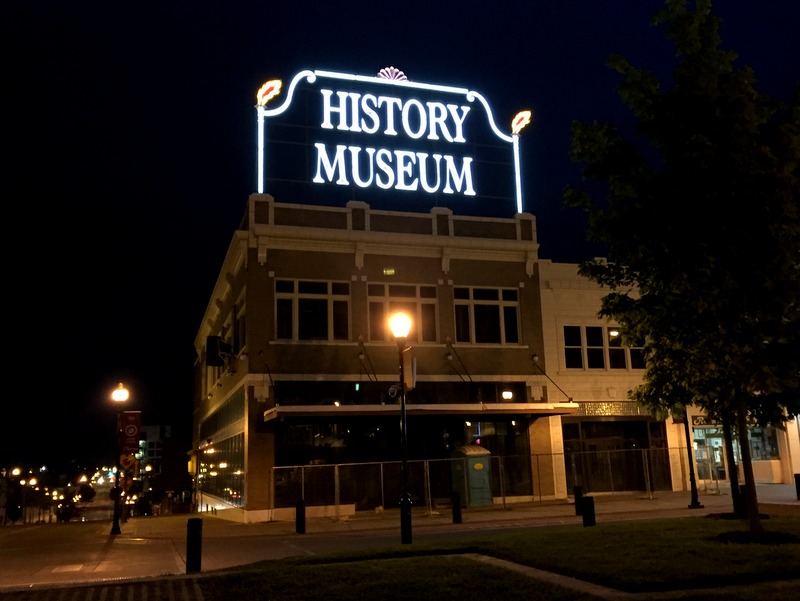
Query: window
x=486, y=315
x=573, y=347
x=597, y=347
x=311, y=310
x=419, y=301
x=763, y=443
x=595, y=353
x=616, y=352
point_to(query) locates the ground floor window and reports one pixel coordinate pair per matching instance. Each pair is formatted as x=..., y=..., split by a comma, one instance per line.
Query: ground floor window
x=709, y=448
x=358, y=459
x=221, y=471
x=615, y=454
x=320, y=441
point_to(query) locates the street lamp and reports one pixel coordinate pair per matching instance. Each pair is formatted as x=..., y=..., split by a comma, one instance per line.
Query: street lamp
x=400, y=324
x=119, y=395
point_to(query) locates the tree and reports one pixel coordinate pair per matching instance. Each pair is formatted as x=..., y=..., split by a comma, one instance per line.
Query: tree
x=700, y=213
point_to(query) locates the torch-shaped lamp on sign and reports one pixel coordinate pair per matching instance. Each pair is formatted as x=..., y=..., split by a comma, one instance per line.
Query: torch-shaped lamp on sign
x=120, y=395
x=400, y=324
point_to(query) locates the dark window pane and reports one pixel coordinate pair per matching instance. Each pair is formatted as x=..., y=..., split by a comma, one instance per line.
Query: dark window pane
x=572, y=335
x=377, y=322
x=637, y=358
x=594, y=336
x=340, y=288
x=283, y=325
x=376, y=290
x=398, y=291
x=487, y=323
x=462, y=323
x=510, y=324
x=485, y=294
x=284, y=286
x=427, y=291
x=594, y=358
x=312, y=319
x=428, y=329
x=312, y=287
x=509, y=295
x=341, y=331
x=461, y=293
x=616, y=358
x=573, y=358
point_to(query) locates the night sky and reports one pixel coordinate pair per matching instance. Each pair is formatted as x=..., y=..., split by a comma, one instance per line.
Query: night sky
x=132, y=153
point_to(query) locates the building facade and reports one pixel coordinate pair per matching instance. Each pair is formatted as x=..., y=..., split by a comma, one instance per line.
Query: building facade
x=296, y=367
x=515, y=389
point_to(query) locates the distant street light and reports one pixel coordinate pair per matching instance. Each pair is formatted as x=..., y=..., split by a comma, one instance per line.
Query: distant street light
x=119, y=395
x=400, y=324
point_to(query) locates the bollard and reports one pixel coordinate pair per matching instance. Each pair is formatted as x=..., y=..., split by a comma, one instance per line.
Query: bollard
x=194, y=545
x=797, y=485
x=300, y=518
x=456, y=501
x=587, y=511
x=740, y=503
x=577, y=492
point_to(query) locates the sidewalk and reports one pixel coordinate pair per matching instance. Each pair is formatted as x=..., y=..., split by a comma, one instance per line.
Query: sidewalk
x=149, y=556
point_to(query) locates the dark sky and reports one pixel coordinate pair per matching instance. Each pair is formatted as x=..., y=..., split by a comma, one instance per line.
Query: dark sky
x=132, y=152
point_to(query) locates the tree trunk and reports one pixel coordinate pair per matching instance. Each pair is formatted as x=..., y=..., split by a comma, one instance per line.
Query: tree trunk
x=739, y=508
x=751, y=497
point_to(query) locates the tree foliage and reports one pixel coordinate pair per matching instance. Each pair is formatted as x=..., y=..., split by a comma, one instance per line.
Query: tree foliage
x=702, y=224
x=701, y=218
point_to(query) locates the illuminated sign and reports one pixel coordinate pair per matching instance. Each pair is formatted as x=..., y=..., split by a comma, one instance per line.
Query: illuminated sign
x=386, y=133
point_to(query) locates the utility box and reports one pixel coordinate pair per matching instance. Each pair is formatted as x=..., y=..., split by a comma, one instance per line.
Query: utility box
x=472, y=475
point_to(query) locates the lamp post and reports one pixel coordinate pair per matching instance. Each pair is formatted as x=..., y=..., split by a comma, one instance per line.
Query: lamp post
x=695, y=502
x=119, y=395
x=400, y=324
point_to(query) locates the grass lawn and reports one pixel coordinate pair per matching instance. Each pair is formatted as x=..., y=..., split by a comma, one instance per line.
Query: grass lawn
x=669, y=559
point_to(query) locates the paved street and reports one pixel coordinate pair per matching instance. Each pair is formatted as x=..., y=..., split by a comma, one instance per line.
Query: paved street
x=151, y=552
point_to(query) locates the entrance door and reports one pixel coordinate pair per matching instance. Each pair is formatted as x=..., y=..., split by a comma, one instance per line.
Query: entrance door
x=710, y=454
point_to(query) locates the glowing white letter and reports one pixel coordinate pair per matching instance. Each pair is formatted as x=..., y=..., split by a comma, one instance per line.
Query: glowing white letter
x=330, y=167
x=354, y=166
x=437, y=116
x=368, y=104
x=459, y=121
x=423, y=172
x=327, y=109
x=381, y=159
x=391, y=104
x=463, y=178
x=423, y=119
x=405, y=162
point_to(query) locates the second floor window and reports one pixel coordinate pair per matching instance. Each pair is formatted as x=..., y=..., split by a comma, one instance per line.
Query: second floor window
x=311, y=310
x=487, y=315
x=418, y=301
x=599, y=347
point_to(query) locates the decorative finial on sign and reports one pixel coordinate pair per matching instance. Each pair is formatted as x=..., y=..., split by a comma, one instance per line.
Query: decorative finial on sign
x=268, y=91
x=521, y=120
x=392, y=73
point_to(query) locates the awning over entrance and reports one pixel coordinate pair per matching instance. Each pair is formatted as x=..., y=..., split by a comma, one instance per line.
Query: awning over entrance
x=472, y=409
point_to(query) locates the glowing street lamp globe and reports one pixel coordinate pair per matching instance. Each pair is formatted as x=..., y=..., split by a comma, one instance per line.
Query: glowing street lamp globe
x=400, y=324
x=120, y=394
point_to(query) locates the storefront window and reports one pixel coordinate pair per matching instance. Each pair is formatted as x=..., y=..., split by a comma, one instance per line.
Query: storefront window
x=763, y=443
